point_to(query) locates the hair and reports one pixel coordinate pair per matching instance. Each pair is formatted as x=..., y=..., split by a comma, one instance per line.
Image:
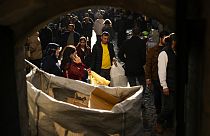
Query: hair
x=105, y=33
x=173, y=36
x=73, y=25
x=136, y=30
x=51, y=48
x=168, y=40
x=67, y=51
x=163, y=34
x=107, y=21
x=86, y=14
x=82, y=38
x=85, y=18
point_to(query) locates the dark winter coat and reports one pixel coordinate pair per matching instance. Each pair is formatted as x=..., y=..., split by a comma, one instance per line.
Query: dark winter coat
x=50, y=65
x=65, y=37
x=133, y=54
x=97, y=53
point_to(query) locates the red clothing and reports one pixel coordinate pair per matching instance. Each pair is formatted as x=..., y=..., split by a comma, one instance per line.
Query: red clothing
x=75, y=71
x=85, y=55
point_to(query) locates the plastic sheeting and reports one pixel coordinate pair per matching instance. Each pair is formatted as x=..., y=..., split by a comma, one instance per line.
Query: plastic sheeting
x=52, y=113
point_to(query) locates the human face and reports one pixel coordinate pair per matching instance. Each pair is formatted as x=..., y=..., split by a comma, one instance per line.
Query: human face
x=104, y=39
x=83, y=42
x=57, y=52
x=73, y=55
x=162, y=41
x=70, y=28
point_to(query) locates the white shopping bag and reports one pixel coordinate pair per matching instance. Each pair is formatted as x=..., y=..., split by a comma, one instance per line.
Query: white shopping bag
x=117, y=74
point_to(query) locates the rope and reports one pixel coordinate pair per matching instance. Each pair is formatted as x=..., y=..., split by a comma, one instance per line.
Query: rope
x=37, y=112
x=123, y=120
x=31, y=64
x=49, y=84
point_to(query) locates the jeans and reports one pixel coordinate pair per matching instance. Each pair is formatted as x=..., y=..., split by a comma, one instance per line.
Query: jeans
x=168, y=110
x=132, y=80
x=157, y=95
x=105, y=73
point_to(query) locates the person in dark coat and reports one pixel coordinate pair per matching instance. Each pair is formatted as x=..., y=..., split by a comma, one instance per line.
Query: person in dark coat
x=78, y=25
x=121, y=27
x=108, y=27
x=87, y=29
x=70, y=37
x=46, y=36
x=84, y=51
x=102, y=56
x=133, y=54
x=50, y=63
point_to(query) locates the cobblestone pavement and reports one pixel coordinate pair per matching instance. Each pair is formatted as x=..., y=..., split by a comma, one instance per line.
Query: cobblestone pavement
x=148, y=114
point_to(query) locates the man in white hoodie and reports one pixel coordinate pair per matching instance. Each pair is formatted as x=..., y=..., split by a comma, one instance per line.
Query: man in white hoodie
x=98, y=25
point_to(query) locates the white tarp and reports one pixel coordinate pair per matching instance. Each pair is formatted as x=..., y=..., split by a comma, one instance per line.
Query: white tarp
x=55, y=116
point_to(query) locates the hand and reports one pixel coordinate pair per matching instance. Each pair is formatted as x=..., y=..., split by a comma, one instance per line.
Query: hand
x=114, y=61
x=77, y=60
x=149, y=83
x=166, y=91
x=89, y=71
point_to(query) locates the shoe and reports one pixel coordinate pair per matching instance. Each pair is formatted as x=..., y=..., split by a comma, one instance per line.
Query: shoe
x=158, y=128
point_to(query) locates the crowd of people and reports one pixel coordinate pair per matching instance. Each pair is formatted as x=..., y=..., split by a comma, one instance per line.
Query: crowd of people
x=63, y=48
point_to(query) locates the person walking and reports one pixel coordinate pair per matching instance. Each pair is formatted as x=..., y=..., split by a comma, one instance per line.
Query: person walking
x=84, y=51
x=70, y=37
x=133, y=54
x=87, y=29
x=103, y=56
x=98, y=25
x=108, y=27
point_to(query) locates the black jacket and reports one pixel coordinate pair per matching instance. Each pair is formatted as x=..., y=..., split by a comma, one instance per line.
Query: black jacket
x=50, y=65
x=133, y=54
x=171, y=68
x=97, y=56
x=65, y=37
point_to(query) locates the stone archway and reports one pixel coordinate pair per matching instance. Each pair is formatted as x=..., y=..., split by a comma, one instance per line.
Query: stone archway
x=20, y=17
x=23, y=17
